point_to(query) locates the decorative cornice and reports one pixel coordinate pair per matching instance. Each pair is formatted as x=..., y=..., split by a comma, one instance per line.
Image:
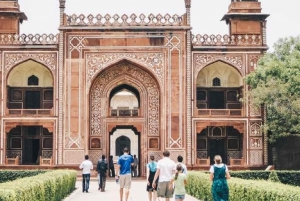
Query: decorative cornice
x=125, y=20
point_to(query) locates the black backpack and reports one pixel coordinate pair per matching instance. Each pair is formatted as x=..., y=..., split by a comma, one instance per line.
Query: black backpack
x=102, y=166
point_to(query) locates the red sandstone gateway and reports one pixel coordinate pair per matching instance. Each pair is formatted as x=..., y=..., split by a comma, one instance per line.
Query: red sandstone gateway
x=146, y=82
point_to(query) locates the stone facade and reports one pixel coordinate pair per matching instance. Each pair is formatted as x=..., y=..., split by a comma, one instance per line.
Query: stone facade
x=182, y=89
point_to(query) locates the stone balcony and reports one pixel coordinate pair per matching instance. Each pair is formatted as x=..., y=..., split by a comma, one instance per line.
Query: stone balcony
x=124, y=112
x=29, y=112
x=219, y=112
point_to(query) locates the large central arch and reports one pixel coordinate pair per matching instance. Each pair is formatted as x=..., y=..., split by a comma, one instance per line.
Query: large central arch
x=149, y=117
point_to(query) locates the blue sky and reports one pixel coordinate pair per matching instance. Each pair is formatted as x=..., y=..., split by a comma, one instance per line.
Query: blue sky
x=43, y=15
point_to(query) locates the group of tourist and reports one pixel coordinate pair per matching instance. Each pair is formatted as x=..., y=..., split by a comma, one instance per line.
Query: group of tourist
x=102, y=167
x=165, y=178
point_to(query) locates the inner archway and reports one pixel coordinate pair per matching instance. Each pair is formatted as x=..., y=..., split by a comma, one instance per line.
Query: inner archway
x=125, y=136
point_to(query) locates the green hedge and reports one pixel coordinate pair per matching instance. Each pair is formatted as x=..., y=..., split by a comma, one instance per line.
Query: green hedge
x=285, y=177
x=51, y=186
x=10, y=175
x=199, y=186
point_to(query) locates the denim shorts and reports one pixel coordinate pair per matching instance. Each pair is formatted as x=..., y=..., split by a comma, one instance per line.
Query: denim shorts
x=179, y=197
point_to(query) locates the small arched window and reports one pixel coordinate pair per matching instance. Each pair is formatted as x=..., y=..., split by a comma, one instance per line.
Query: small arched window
x=216, y=82
x=33, y=80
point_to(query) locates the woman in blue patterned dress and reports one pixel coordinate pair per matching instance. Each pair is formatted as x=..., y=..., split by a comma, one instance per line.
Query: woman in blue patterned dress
x=218, y=175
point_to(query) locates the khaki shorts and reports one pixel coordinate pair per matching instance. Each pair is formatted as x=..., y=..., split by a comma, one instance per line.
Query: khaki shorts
x=125, y=181
x=163, y=190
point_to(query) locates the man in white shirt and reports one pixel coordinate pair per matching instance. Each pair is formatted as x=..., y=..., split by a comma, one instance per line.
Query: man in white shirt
x=86, y=167
x=165, y=169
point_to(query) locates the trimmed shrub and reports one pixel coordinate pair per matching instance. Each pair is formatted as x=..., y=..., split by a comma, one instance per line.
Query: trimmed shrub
x=273, y=177
x=285, y=177
x=10, y=175
x=199, y=186
x=51, y=186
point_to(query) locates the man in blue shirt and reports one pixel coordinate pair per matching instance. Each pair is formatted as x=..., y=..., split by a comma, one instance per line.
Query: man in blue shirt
x=124, y=173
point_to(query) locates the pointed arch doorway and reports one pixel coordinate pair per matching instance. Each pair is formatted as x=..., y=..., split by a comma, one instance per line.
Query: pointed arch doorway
x=124, y=136
x=124, y=95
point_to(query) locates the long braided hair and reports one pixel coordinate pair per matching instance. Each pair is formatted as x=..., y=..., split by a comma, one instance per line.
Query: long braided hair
x=179, y=169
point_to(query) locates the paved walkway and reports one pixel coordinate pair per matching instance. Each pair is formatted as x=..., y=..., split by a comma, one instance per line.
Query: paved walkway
x=137, y=193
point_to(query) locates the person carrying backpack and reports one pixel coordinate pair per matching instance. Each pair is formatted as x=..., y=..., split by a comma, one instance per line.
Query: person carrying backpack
x=102, y=168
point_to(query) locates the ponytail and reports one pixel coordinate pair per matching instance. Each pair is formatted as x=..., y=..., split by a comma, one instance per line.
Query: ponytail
x=179, y=169
x=176, y=175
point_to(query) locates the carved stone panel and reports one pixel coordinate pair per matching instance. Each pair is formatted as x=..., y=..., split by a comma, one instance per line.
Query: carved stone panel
x=95, y=62
x=256, y=157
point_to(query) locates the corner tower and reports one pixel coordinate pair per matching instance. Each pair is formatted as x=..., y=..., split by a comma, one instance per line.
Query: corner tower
x=10, y=17
x=245, y=17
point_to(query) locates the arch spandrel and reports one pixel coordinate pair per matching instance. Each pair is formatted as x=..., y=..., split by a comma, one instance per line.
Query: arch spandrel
x=97, y=62
x=203, y=60
x=125, y=73
x=11, y=60
x=19, y=74
x=229, y=76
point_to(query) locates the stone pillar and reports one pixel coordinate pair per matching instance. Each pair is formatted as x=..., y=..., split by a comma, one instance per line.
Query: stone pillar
x=60, y=85
x=189, y=87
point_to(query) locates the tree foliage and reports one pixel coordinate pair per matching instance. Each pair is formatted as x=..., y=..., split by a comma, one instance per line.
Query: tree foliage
x=275, y=84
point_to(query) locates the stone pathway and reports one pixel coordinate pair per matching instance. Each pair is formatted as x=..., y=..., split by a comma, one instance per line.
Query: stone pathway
x=137, y=193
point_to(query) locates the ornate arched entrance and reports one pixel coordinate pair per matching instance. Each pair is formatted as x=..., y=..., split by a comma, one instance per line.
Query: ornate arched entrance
x=146, y=117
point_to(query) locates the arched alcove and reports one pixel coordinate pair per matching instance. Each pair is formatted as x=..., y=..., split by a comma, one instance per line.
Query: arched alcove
x=30, y=86
x=218, y=86
x=124, y=101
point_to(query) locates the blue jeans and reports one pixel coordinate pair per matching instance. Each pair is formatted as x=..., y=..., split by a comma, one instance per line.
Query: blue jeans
x=85, y=182
x=180, y=197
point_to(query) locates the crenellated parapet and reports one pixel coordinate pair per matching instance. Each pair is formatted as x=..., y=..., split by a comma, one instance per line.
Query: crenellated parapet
x=125, y=20
x=30, y=39
x=227, y=40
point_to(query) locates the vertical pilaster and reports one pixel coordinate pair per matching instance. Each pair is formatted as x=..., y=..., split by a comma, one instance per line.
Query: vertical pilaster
x=189, y=87
x=60, y=85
